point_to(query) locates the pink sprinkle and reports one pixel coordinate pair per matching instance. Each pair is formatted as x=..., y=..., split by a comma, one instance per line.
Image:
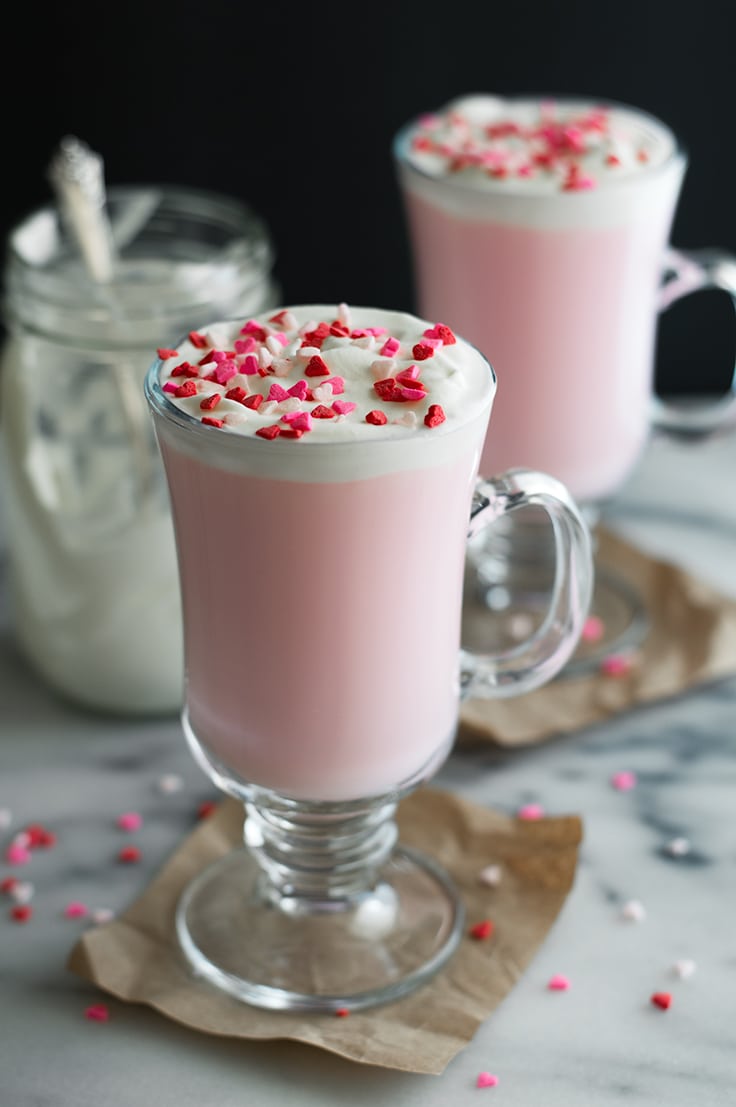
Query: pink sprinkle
x=170, y=386
x=218, y=356
x=486, y=1080
x=102, y=915
x=250, y=365
x=616, y=665
x=407, y=375
x=224, y=371
x=559, y=983
x=412, y=394
x=530, y=812
x=131, y=820
x=97, y=1013
x=299, y=390
x=337, y=384
x=390, y=347
x=343, y=407
x=277, y=393
x=298, y=420
x=245, y=345
x=376, y=331
x=623, y=781
x=593, y=628
x=17, y=854
x=76, y=910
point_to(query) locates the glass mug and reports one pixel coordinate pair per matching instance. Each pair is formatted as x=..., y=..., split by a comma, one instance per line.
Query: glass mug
x=560, y=284
x=321, y=592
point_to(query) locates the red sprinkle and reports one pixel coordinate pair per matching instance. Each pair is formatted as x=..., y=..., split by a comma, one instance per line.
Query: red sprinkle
x=7, y=885
x=316, y=367
x=445, y=334
x=21, y=913
x=342, y=1013
x=189, y=388
x=210, y=422
x=198, y=340
x=377, y=418
x=434, y=416
x=662, y=999
x=185, y=370
x=291, y=432
x=481, y=930
x=339, y=330
x=238, y=394
x=269, y=432
x=254, y=401
x=129, y=855
x=322, y=412
x=206, y=808
x=388, y=390
x=422, y=352
x=164, y=353
x=279, y=317
x=317, y=336
x=210, y=402
x=97, y=1013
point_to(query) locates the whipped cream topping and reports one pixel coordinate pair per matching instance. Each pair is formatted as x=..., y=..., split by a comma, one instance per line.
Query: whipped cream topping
x=318, y=373
x=537, y=145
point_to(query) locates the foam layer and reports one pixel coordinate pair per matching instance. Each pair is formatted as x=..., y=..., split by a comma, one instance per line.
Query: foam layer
x=334, y=359
x=539, y=163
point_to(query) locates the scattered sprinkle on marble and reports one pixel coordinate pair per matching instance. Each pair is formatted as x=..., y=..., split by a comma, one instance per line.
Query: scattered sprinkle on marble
x=593, y=629
x=130, y=820
x=623, y=781
x=481, y=930
x=486, y=1080
x=6, y=818
x=102, y=915
x=17, y=854
x=559, y=983
x=684, y=969
x=520, y=625
x=7, y=884
x=663, y=1000
x=21, y=913
x=617, y=665
x=342, y=1013
x=530, y=812
x=129, y=855
x=633, y=911
x=491, y=876
x=22, y=891
x=170, y=783
x=76, y=910
x=97, y=1013
x=678, y=847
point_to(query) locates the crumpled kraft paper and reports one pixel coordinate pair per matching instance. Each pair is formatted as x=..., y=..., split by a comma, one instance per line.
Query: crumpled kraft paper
x=691, y=640
x=136, y=957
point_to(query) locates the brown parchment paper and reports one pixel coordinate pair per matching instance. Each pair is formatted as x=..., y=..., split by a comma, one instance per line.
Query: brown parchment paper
x=691, y=640
x=136, y=957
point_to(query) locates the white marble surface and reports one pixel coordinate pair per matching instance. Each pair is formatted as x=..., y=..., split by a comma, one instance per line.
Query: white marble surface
x=599, y=1045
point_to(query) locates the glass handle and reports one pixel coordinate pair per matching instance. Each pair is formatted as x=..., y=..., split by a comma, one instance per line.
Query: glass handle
x=688, y=271
x=540, y=657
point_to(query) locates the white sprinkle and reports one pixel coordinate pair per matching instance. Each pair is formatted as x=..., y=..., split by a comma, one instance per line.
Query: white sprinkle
x=102, y=915
x=274, y=345
x=170, y=783
x=343, y=314
x=22, y=892
x=307, y=352
x=6, y=818
x=281, y=366
x=289, y=321
x=268, y=407
x=520, y=626
x=678, y=847
x=407, y=420
x=307, y=327
x=684, y=969
x=365, y=342
x=22, y=839
x=491, y=875
x=292, y=404
x=634, y=911
x=265, y=357
x=383, y=368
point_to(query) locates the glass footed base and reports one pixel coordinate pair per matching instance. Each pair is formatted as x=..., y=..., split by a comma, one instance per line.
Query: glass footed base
x=287, y=955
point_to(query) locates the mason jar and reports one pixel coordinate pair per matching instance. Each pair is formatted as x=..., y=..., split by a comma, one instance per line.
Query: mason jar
x=93, y=582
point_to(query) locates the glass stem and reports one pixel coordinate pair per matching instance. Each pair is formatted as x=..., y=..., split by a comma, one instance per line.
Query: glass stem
x=319, y=861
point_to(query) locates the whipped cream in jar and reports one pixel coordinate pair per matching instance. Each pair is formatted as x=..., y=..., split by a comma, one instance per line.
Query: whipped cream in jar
x=94, y=589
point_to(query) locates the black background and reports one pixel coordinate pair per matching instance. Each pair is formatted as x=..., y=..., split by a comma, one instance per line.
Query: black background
x=293, y=109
